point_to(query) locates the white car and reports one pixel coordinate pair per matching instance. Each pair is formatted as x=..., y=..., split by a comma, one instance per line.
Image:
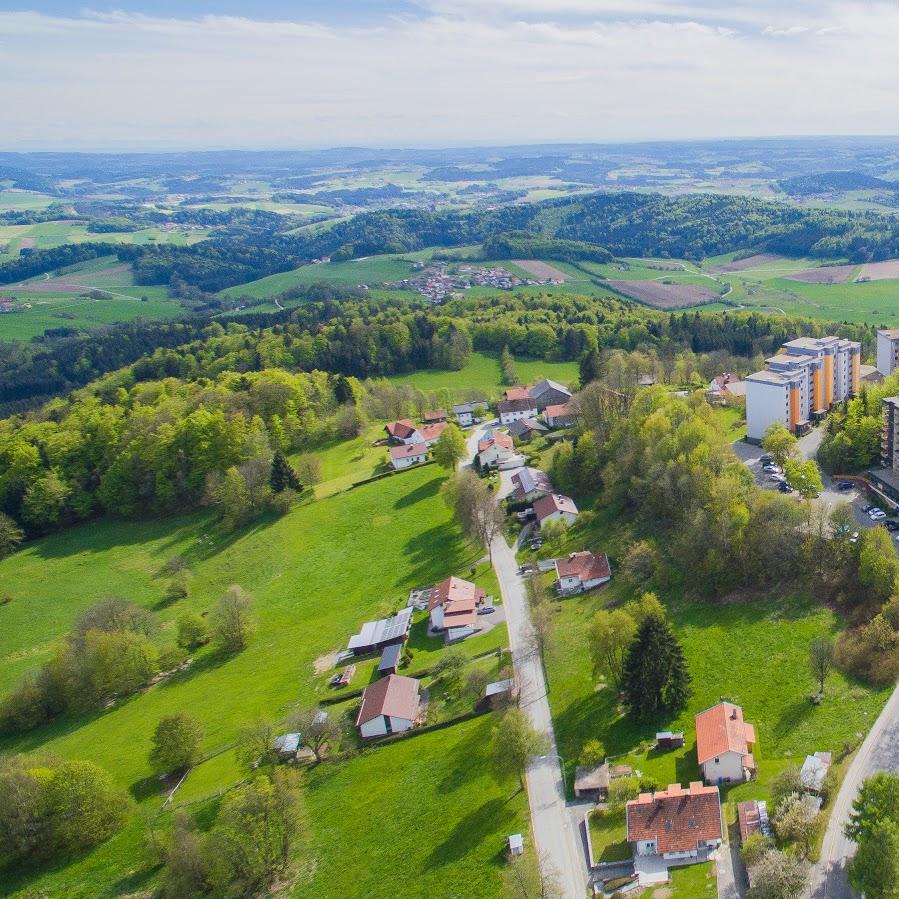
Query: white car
x=877, y=515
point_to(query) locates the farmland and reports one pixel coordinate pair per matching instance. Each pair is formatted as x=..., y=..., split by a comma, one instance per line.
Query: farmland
x=316, y=575
x=664, y=295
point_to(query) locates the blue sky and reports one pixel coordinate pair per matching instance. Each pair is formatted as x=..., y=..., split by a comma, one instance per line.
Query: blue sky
x=189, y=74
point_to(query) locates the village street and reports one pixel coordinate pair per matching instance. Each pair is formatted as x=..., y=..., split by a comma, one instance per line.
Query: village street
x=557, y=838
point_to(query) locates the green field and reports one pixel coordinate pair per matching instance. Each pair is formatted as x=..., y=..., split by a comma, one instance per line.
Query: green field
x=482, y=372
x=316, y=574
x=68, y=308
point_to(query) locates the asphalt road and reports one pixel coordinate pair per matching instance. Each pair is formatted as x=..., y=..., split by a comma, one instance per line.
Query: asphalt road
x=556, y=837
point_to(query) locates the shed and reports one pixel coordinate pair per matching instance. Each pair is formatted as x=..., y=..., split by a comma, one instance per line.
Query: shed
x=667, y=739
x=814, y=770
x=516, y=844
x=390, y=658
x=497, y=693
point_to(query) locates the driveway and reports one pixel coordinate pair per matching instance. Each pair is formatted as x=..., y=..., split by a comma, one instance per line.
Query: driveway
x=879, y=752
x=556, y=833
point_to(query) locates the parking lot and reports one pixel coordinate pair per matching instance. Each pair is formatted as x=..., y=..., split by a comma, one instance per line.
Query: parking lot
x=751, y=456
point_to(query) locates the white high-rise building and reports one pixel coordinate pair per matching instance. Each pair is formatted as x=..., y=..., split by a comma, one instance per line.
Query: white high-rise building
x=801, y=384
x=887, y=351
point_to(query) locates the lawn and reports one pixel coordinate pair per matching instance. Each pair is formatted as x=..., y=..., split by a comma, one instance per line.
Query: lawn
x=316, y=574
x=608, y=837
x=731, y=420
x=752, y=651
x=482, y=372
x=690, y=882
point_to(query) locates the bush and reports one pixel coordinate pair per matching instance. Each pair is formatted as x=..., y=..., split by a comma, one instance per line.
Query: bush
x=230, y=622
x=176, y=743
x=754, y=848
x=592, y=753
x=192, y=631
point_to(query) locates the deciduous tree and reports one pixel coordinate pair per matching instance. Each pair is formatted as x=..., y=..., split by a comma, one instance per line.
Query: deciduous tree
x=176, y=743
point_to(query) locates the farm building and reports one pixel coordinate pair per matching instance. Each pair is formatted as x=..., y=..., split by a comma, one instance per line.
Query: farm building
x=407, y=455
x=390, y=659
x=549, y=393
x=378, y=634
x=677, y=824
x=579, y=572
x=555, y=507
x=430, y=434
x=513, y=409
x=464, y=413
x=724, y=744
x=435, y=416
x=667, y=739
x=389, y=706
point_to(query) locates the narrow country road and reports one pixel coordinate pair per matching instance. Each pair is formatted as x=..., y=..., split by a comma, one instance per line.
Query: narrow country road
x=879, y=752
x=556, y=839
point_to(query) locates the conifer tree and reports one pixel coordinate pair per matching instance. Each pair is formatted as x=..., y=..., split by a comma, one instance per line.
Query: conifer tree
x=656, y=680
x=283, y=474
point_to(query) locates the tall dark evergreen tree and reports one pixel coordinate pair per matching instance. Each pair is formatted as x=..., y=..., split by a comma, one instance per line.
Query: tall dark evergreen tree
x=592, y=367
x=283, y=474
x=656, y=679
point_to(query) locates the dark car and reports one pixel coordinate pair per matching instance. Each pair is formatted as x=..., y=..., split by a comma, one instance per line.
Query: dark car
x=486, y=610
x=784, y=487
x=891, y=525
x=845, y=485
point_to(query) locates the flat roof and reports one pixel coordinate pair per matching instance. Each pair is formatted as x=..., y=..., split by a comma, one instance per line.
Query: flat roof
x=773, y=377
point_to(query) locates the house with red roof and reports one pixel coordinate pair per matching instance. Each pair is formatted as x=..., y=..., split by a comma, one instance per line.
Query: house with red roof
x=677, y=825
x=453, y=603
x=582, y=571
x=430, y=434
x=406, y=455
x=555, y=507
x=403, y=431
x=724, y=743
x=494, y=447
x=562, y=415
x=389, y=706
x=435, y=416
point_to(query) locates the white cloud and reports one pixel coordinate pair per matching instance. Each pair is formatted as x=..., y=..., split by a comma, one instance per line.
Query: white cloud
x=529, y=71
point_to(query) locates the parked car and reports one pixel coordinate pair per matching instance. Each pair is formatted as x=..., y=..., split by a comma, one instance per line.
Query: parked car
x=536, y=544
x=766, y=460
x=891, y=525
x=777, y=478
x=845, y=485
x=486, y=610
x=784, y=487
x=868, y=508
x=521, y=516
x=877, y=515
x=770, y=468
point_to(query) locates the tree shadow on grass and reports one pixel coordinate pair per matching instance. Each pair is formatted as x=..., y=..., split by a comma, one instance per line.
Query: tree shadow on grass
x=147, y=787
x=473, y=746
x=435, y=553
x=135, y=882
x=471, y=832
x=420, y=493
x=205, y=663
x=792, y=717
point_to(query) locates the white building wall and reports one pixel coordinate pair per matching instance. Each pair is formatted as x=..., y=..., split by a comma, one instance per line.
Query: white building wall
x=437, y=618
x=766, y=403
x=377, y=727
x=407, y=461
x=566, y=517
x=885, y=354
x=464, y=418
x=397, y=725
x=508, y=417
x=727, y=767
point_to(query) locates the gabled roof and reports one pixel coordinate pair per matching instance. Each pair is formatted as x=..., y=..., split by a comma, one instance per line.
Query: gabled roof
x=558, y=411
x=459, y=600
x=721, y=729
x=522, y=404
x=584, y=565
x=523, y=425
x=402, y=429
x=432, y=432
x=676, y=819
x=552, y=503
x=546, y=384
x=435, y=415
x=531, y=480
x=394, y=696
x=462, y=408
x=517, y=393
x=495, y=438
x=408, y=449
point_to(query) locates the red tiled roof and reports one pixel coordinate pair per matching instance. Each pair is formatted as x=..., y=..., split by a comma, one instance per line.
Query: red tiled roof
x=518, y=393
x=432, y=432
x=498, y=439
x=433, y=415
x=459, y=599
x=585, y=565
x=676, y=819
x=553, y=502
x=413, y=449
x=402, y=429
x=721, y=729
x=559, y=411
x=395, y=696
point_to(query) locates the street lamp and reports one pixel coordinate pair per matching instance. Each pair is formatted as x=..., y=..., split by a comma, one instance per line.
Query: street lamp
x=553, y=755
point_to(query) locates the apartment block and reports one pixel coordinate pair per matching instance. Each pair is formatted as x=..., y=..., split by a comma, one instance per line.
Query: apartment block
x=889, y=436
x=801, y=383
x=887, y=351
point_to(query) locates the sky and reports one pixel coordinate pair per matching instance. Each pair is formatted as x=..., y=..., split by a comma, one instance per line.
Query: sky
x=192, y=74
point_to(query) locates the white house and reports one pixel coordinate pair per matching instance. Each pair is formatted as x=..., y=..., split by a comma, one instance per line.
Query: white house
x=403, y=431
x=562, y=415
x=454, y=603
x=405, y=455
x=464, y=413
x=555, y=507
x=582, y=571
x=530, y=484
x=493, y=448
x=389, y=706
x=678, y=825
x=724, y=744
x=517, y=404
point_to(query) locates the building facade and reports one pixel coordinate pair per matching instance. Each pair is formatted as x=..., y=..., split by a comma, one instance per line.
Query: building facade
x=887, y=351
x=800, y=385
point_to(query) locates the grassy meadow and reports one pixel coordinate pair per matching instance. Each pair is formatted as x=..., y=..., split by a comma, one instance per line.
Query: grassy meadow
x=316, y=574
